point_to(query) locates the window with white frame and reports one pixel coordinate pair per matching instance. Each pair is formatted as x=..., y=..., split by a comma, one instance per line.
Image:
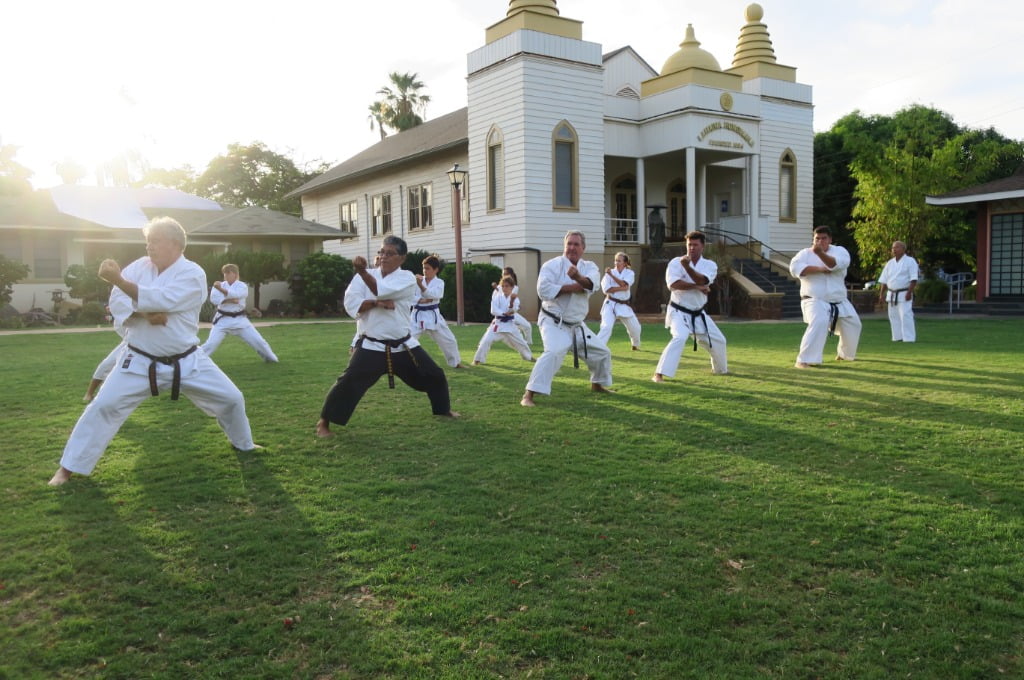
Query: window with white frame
x=420, y=216
x=348, y=216
x=495, y=170
x=787, y=187
x=565, y=168
x=46, y=258
x=381, y=207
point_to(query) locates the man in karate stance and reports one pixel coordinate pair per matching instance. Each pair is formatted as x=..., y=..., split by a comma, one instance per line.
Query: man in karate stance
x=156, y=301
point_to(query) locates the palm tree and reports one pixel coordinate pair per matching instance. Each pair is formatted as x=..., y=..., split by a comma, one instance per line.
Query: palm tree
x=403, y=101
x=379, y=116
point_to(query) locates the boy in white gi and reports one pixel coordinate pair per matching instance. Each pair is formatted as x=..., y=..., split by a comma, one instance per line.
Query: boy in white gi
x=689, y=278
x=504, y=305
x=615, y=285
x=898, y=280
x=564, y=285
x=229, y=296
x=823, y=300
x=156, y=300
x=426, y=313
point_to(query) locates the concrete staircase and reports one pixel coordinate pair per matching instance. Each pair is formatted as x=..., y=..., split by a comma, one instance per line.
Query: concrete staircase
x=771, y=282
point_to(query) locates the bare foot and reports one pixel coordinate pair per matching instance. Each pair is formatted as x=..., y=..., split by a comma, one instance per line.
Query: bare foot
x=87, y=398
x=839, y=358
x=801, y=364
x=451, y=414
x=658, y=378
x=598, y=387
x=476, y=363
x=60, y=476
x=527, y=399
x=323, y=429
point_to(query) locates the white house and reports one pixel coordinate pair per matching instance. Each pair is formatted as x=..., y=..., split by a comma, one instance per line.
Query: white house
x=559, y=136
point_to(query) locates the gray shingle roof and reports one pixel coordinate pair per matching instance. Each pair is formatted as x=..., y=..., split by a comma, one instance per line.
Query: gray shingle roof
x=1012, y=185
x=447, y=132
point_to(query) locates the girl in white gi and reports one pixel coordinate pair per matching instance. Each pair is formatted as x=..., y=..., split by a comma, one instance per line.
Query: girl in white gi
x=524, y=326
x=615, y=285
x=426, y=313
x=689, y=278
x=228, y=296
x=504, y=304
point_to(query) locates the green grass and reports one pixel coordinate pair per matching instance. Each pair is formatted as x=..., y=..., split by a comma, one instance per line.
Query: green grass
x=860, y=520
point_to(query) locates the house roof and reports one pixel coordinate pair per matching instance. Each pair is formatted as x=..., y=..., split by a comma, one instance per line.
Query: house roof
x=38, y=210
x=441, y=134
x=1008, y=187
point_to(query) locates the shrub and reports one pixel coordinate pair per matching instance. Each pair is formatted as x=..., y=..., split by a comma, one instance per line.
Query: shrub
x=931, y=290
x=318, y=282
x=476, y=289
x=92, y=313
x=10, y=273
x=414, y=261
x=85, y=282
x=206, y=311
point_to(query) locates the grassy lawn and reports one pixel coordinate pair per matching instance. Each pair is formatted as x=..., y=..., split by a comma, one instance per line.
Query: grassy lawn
x=858, y=520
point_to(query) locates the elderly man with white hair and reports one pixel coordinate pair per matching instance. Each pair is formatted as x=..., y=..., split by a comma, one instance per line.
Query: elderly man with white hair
x=898, y=281
x=155, y=301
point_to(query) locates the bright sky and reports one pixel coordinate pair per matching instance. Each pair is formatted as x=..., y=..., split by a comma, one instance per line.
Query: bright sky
x=180, y=81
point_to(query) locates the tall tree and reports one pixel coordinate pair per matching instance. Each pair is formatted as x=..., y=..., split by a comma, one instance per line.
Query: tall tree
x=378, y=117
x=13, y=175
x=70, y=171
x=183, y=178
x=402, y=101
x=254, y=175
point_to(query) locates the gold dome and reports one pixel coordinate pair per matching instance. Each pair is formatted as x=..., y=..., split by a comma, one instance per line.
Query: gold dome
x=690, y=55
x=538, y=6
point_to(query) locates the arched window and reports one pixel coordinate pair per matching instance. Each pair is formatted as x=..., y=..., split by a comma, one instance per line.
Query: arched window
x=565, y=167
x=787, y=187
x=495, y=170
x=676, y=211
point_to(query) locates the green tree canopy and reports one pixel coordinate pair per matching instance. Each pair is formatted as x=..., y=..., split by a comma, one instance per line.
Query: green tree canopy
x=254, y=175
x=85, y=282
x=13, y=175
x=318, y=282
x=402, y=105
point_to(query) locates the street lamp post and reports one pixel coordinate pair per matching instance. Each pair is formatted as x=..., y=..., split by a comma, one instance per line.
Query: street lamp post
x=458, y=178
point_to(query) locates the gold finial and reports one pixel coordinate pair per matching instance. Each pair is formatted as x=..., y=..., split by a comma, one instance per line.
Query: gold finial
x=548, y=7
x=690, y=55
x=754, y=44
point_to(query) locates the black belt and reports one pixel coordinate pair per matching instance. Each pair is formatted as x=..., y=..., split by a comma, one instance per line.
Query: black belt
x=388, y=344
x=833, y=314
x=893, y=295
x=575, y=348
x=505, y=317
x=167, y=361
x=618, y=302
x=221, y=313
x=694, y=313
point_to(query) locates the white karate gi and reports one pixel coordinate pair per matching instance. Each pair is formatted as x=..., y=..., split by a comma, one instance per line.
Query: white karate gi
x=179, y=292
x=104, y=368
x=897, y=276
x=682, y=325
x=818, y=292
x=235, y=325
x=522, y=323
x=505, y=331
x=612, y=309
x=431, y=323
x=557, y=334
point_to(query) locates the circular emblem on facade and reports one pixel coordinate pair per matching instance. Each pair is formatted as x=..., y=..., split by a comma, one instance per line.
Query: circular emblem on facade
x=726, y=101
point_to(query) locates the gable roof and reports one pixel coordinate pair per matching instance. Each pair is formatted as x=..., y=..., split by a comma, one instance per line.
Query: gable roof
x=450, y=131
x=1008, y=187
x=38, y=210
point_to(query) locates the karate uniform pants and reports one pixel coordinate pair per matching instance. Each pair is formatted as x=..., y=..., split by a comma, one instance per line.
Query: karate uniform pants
x=901, y=320
x=611, y=311
x=208, y=387
x=104, y=368
x=557, y=339
x=365, y=368
x=513, y=340
x=444, y=338
x=816, y=315
x=245, y=330
x=709, y=337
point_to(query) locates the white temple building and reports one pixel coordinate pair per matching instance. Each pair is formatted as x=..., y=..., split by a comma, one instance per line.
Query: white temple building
x=558, y=135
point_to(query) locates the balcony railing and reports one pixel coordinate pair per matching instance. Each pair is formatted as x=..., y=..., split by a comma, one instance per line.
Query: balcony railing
x=618, y=230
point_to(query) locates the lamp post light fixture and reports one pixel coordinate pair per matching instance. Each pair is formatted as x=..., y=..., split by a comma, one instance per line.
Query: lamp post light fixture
x=458, y=178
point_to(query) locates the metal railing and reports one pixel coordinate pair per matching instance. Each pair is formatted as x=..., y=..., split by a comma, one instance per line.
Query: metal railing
x=956, y=283
x=620, y=230
x=756, y=248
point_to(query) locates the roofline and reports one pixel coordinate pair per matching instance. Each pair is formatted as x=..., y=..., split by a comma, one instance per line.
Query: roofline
x=380, y=166
x=974, y=198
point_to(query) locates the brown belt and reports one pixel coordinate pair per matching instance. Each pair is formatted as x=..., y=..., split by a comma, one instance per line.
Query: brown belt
x=167, y=361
